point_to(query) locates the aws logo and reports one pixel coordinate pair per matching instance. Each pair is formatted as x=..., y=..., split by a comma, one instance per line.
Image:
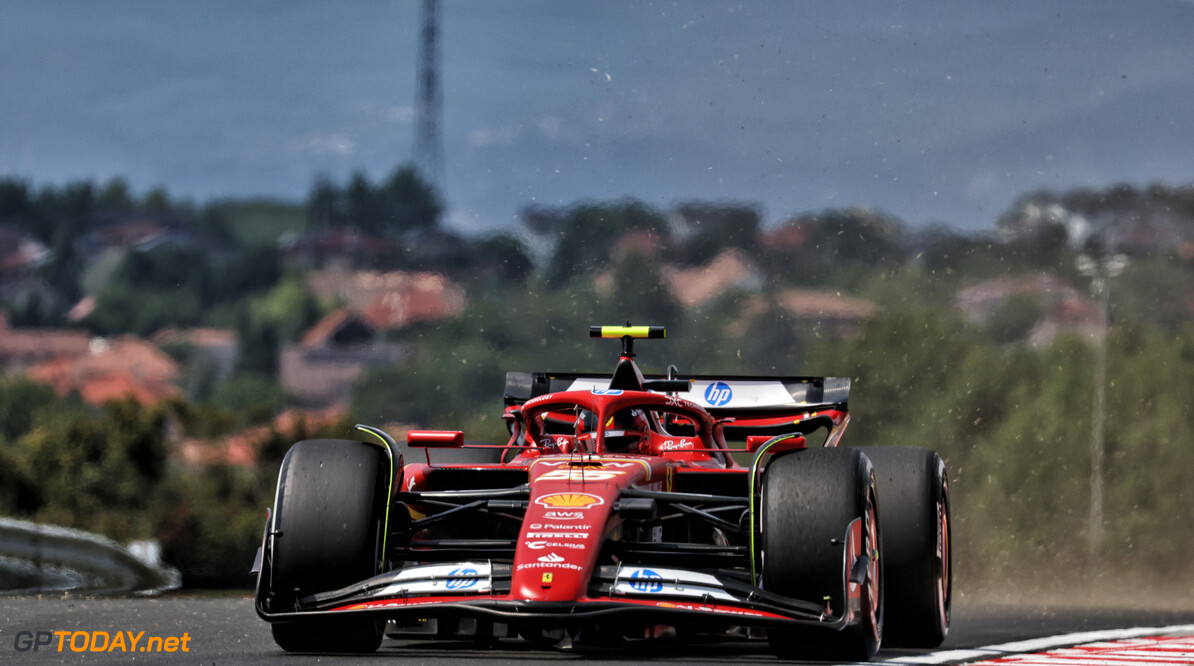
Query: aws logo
x=569, y=501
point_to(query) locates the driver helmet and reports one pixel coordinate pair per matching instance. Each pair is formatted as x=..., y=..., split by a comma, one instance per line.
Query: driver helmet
x=626, y=429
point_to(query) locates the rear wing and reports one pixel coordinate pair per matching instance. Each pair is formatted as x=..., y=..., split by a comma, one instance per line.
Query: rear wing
x=723, y=396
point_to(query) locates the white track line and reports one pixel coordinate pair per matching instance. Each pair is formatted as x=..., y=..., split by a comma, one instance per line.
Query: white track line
x=1038, y=645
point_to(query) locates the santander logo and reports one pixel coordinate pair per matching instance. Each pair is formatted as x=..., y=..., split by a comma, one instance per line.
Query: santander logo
x=551, y=557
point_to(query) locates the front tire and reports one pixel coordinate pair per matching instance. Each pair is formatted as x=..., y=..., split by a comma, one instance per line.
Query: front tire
x=916, y=533
x=329, y=521
x=809, y=499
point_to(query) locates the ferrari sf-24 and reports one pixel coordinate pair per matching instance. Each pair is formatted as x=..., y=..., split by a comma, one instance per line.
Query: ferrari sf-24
x=622, y=508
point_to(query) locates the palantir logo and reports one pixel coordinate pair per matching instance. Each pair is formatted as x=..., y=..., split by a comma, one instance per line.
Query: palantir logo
x=645, y=580
x=718, y=394
x=462, y=583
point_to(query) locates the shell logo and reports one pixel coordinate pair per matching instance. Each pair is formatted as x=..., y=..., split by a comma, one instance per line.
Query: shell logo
x=569, y=500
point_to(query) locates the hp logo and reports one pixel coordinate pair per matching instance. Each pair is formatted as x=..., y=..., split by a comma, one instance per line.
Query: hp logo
x=718, y=394
x=462, y=583
x=645, y=580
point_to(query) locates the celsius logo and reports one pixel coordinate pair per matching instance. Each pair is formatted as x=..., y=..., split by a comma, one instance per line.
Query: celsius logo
x=718, y=394
x=645, y=580
x=462, y=583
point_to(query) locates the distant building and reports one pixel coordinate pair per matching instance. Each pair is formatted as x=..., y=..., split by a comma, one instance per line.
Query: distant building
x=647, y=244
x=729, y=271
x=116, y=231
x=820, y=312
x=1122, y=219
x=112, y=369
x=391, y=300
x=210, y=355
x=343, y=248
x=243, y=449
x=1063, y=307
x=827, y=312
x=789, y=237
x=321, y=370
x=23, y=348
x=21, y=258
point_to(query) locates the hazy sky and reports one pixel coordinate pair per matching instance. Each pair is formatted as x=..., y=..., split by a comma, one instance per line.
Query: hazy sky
x=933, y=111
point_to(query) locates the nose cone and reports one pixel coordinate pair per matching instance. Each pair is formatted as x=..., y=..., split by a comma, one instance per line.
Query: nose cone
x=569, y=516
x=557, y=549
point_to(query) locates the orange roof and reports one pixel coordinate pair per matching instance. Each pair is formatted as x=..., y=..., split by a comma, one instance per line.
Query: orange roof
x=645, y=243
x=242, y=448
x=113, y=369
x=321, y=333
x=695, y=286
x=393, y=299
x=790, y=235
x=809, y=304
x=26, y=346
x=427, y=301
x=200, y=337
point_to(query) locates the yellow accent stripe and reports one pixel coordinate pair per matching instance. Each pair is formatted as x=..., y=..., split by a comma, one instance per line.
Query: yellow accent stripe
x=624, y=331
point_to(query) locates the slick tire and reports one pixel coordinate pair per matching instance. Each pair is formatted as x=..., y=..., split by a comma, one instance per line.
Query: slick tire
x=329, y=520
x=809, y=498
x=916, y=544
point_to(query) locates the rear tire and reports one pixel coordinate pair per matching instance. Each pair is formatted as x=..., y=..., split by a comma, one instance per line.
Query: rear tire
x=328, y=527
x=916, y=544
x=809, y=498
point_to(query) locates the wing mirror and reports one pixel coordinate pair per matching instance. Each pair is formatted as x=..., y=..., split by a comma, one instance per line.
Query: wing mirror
x=435, y=439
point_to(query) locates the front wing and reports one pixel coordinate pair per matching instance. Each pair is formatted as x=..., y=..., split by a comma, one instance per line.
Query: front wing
x=663, y=595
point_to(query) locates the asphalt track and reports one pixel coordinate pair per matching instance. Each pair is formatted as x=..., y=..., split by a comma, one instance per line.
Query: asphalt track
x=225, y=630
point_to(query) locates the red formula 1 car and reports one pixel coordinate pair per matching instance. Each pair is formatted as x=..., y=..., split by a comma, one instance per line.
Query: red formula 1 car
x=617, y=512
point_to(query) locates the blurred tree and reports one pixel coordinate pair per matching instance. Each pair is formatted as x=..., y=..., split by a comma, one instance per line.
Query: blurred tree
x=362, y=204
x=157, y=200
x=17, y=207
x=497, y=258
x=858, y=235
x=409, y=202
x=325, y=205
x=21, y=401
x=715, y=227
x=1015, y=319
x=208, y=522
x=640, y=295
x=65, y=211
x=266, y=322
x=1151, y=291
x=96, y=473
x=116, y=195
x=403, y=202
x=587, y=232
